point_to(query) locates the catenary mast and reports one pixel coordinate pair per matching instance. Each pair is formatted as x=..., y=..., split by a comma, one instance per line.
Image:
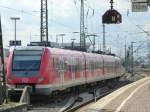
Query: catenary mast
x=82, y=26
x=44, y=21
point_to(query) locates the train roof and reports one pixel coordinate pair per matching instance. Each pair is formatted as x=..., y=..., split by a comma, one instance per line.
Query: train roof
x=61, y=51
x=64, y=51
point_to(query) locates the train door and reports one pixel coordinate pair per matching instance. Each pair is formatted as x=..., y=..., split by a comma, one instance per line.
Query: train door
x=81, y=68
x=61, y=70
x=103, y=66
x=73, y=68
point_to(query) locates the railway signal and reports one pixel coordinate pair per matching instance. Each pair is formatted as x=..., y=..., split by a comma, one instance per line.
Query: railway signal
x=111, y=16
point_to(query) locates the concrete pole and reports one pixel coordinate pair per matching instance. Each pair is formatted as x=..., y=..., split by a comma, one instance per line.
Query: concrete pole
x=94, y=42
x=132, y=59
x=73, y=39
x=125, y=61
x=62, y=39
x=104, y=46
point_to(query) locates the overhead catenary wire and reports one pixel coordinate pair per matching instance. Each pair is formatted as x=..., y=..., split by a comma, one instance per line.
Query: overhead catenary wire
x=77, y=9
x=137, y=26
x=33, y=14
x=19, y=10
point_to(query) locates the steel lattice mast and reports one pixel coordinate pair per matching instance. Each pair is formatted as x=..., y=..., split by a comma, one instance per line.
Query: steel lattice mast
x=82, y=33
x=44, y=21
x=2, y=64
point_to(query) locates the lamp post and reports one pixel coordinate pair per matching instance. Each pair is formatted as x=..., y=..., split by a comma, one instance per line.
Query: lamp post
x=62, y=35
x=73, y=39
x=104, y=41
x=132, y=58
x=15, y=19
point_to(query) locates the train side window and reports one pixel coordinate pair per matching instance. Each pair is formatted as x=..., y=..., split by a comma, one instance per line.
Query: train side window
x=56, y=63
x=80, y=65
x=88, y=65
x=77, y=64
x=61, y=63
x=65, y=64
x=92, y=64
x=96, y=64
x=99, y=64
x=74, y=65
x=69, y=64
x=53, y=62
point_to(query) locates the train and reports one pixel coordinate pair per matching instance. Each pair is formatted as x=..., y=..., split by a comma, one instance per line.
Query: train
x=49, y=69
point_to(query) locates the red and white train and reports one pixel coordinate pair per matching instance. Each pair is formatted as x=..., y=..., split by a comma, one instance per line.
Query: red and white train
x=50, y=69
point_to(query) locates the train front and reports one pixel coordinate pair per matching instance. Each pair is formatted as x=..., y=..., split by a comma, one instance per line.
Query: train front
x=24, y=68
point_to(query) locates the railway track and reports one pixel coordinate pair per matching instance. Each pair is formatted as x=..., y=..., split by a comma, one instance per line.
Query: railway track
x=70, y=103
x=74, y=108
x=49, y=104
x=78, y=105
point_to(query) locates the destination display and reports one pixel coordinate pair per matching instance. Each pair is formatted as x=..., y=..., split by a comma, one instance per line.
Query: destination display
x=140, y=5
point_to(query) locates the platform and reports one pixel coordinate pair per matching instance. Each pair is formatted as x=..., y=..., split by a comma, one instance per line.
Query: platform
x=13, y=107
x=134, y=97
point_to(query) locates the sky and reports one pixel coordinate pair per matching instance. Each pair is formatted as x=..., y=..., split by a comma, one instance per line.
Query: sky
x=64, y=17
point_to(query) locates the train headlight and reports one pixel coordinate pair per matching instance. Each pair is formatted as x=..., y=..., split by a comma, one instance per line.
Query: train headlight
x=40, y=79
x=9, y=80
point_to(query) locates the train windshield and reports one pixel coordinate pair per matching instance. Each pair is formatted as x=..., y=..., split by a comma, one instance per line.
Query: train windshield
x=26, y=60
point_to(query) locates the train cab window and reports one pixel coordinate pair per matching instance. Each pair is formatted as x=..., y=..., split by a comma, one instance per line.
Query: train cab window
x=72, y=64
x=26, y=60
